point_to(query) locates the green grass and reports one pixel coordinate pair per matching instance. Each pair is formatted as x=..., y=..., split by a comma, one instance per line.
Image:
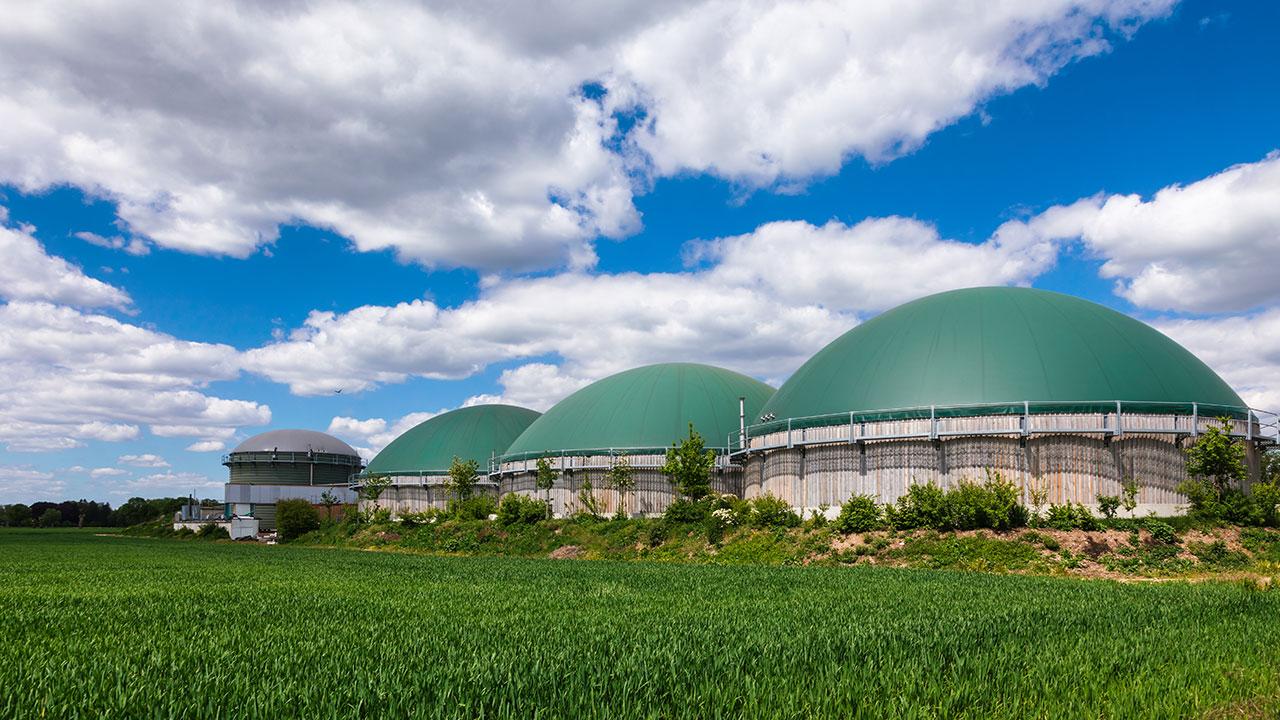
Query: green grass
x=132, y=627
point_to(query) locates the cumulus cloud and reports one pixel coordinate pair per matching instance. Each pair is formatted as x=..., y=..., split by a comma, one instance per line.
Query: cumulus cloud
x=67, y=377
x=169, y=483
x=373, y=434
x=23, y=483
x=107, y=472
x=148, y=460
x=760, y=303
x=763, y=92
x=1243, y=349
x=207, y=446
x=409, y=128
x=132, y=246
x=1202, y=247
x=29, y=273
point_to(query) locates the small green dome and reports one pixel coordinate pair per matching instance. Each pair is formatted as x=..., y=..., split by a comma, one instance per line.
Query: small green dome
x=644, y=408
x=997, y=345
x=470, y=433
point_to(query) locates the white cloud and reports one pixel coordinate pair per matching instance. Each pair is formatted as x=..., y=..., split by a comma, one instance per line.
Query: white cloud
x=1243, y=349
x=107, y=472
x=67, y=377
x=28, y=273
x=373, y=434
x=768, y=92
x=25, y=484
x=148, y=460
x=413, y=128
x=762, y=304
x=1202, y=247
x=132, y=246
x=207, y=446
x=169, y=483
x=873, y=265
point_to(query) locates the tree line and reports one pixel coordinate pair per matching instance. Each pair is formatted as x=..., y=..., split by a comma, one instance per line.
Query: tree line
x=90, y=513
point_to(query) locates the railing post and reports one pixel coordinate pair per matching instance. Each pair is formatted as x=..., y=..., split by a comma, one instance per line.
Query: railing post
x=789, y=445
x=1248, y=424
x=1195, y=420
x=933, y=423
x=1026, y=418
x=853, y=435
x=1119, y=422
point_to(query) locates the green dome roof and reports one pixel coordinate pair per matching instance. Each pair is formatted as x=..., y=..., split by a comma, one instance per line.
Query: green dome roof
x=470, y=433
x=996, y=345
x=648, y=407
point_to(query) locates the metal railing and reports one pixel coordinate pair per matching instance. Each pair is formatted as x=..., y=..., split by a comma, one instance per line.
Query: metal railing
x=269, y=456
x=1115, y=417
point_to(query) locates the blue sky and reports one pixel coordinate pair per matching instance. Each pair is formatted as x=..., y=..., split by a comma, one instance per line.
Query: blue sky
x=493, y=232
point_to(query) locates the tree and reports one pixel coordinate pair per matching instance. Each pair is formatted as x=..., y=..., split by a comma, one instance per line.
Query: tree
x=328, y=500
x=295, y=517
x=462, y=478
x=372, y=487
x=545, y=479
x=622, y=478
x=49, y=518
x=688, y=466
x=17, y=515
x=587, y=498
x=1217, y=458
x=1129, y=500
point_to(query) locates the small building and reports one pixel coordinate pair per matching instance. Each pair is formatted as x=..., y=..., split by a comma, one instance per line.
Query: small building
x=416, y=464
x=283, y=464
x=638, y=414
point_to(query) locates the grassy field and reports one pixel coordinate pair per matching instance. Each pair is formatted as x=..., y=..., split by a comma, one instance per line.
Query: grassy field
x=114, y=626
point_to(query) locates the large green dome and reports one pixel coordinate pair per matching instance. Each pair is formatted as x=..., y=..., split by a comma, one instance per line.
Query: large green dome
x=644, y=408
x=470, y=433
x=997, y=345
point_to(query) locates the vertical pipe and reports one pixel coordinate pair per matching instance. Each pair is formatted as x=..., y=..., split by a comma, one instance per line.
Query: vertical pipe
x=742, y=421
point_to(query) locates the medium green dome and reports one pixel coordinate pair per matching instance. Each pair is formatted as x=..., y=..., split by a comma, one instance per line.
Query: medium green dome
x=997, y=345
x=470, y=433
x=644, y=408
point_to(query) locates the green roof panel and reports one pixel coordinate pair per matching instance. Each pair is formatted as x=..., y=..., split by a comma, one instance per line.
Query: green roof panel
x=470, y=433
x=996, y=345
x=646, y=407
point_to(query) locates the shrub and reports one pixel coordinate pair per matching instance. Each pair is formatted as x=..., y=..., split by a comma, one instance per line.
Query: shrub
x=969, y=506
x=924, y=506
x=1266, y=496
x=683, y=510
x=1108, y=505
x=1162, y=532
x=213, y=531
x=479, y=507
x=1050, y=543
x=1218, y=554
x=1071, y=517
x=861, y=513
x=518, y=509
x=771, y=511
x=295, y=517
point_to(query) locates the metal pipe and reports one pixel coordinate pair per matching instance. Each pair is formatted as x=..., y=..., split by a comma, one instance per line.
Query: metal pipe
x=742, y=420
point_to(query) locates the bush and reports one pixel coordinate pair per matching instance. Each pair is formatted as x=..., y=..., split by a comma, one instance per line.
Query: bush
x=479, y=507
x=1071, y=517
x=518, y=509
x=769, y=511
x=683, y=510
x=1218, y=554
x=295, y=517
x=1162, y=532
x=861, y=513
x=1266, y=496
x=1108, y=505
x=212, y=531
x=969, y=506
